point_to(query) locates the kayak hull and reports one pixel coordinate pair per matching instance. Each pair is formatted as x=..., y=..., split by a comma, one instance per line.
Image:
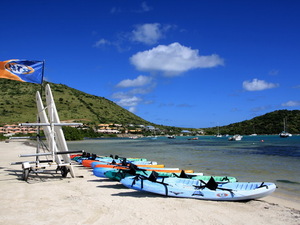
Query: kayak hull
x=100, y=171
x=97, y=164
x=187, y=188
x=120, y=174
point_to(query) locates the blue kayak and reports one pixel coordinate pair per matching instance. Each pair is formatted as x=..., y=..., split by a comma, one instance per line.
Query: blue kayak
x=189, y=188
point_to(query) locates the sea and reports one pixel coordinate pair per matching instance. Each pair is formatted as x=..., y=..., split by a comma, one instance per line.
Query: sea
x=262, y=158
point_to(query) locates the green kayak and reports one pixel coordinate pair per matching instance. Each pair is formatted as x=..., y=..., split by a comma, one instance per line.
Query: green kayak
x=120, y=174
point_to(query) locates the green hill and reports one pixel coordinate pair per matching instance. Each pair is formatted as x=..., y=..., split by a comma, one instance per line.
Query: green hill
x=17, y=104
x=270, y=123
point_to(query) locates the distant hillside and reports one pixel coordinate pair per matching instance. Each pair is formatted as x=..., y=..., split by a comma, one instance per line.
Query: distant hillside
x=17, y=104
x=270, y=123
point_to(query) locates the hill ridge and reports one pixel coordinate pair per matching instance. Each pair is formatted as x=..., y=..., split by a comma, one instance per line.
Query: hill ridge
x=17, y=105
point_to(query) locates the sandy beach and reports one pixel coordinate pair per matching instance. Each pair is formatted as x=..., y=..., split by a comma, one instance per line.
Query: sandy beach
x=47, y=198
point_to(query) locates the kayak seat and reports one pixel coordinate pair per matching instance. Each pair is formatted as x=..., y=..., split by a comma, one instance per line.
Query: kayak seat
x=153, y=176
x=183, y=174
x=93, y=156
x=211, y=184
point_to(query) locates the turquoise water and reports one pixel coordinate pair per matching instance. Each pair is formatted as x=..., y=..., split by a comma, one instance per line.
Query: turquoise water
x=259, y=158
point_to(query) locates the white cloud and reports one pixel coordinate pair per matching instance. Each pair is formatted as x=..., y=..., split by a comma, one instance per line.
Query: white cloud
x=101, y=42
x=132, y=109
x=138, y=82
x=127, y=100
x=297, y=86
x=148, y=33
x=258, y=85
x=132, y=98
x=145, y=7
x=118, y=44
x=291, y=103
x=115, y=10
x=119, y=95
x=142, y=91
x=173, y=59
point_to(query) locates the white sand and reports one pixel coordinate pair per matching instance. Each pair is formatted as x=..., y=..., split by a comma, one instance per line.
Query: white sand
x=49, y=199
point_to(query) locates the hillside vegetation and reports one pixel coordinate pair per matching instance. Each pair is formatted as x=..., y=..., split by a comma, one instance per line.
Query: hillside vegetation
x=17, y=104
x=270, y=123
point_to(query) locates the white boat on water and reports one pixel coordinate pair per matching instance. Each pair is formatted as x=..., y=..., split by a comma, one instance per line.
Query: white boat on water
x=133, y=137
x=235, y=137
x=219, y=135
x=284, y=133
x=171, y=137
x=254, y=133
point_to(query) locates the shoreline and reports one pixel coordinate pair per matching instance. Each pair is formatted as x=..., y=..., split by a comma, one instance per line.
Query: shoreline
x=47, y=197
x=278, y=194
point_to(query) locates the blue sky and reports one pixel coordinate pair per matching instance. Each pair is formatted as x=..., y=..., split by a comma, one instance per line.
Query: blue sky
x=181, y=63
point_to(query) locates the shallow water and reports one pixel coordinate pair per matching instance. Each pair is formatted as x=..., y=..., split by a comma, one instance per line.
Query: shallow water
x=259, y=158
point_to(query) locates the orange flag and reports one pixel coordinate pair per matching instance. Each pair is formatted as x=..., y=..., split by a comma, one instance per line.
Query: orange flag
x=22, y=70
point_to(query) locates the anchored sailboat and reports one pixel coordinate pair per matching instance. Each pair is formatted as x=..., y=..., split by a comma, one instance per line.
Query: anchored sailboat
x=284, y=133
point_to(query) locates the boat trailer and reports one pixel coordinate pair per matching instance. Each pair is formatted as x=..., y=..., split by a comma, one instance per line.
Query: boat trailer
x=56, y=151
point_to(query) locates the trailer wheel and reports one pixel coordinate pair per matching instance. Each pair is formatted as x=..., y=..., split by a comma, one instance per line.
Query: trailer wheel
x=64, y=171
x=25, y=174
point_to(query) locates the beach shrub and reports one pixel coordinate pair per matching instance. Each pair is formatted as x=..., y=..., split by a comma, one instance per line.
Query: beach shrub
x=2, y=137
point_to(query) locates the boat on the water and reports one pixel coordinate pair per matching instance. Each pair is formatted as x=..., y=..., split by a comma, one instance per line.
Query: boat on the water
x=284, y=133
x=194, y=138
x=171, y=137
x=235, y=137
x=211, y=190
x=219, y=135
